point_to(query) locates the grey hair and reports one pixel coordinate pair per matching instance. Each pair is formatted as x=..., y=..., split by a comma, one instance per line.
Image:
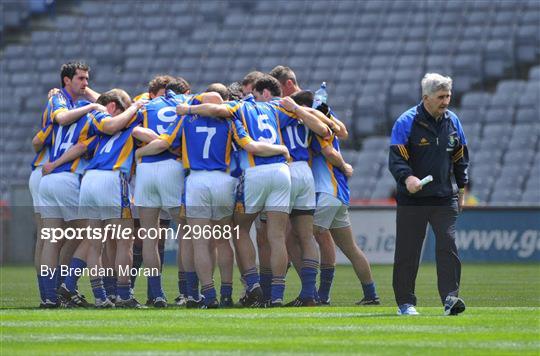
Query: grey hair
x=433, y=82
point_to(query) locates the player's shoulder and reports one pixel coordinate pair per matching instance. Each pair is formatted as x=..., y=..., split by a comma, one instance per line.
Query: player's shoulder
x=142, y=96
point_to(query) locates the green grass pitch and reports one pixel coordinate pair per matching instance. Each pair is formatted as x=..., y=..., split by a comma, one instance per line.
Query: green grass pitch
x=502, y=317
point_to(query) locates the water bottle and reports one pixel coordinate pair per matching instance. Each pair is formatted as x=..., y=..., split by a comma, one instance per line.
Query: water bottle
x=320, y=97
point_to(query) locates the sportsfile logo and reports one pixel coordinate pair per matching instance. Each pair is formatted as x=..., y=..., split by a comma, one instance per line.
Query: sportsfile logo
x=117, y=232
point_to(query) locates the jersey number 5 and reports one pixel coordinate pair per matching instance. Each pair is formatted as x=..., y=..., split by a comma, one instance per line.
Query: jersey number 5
x=262, y=123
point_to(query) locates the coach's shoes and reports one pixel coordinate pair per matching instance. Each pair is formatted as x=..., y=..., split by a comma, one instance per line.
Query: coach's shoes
x=302, y=302
x=369, y=301
x=104, y=304
x=131, y=303
x=407, y=309
x=180, y=300
x=159, y=302
x=72, y=299
x=453, y=305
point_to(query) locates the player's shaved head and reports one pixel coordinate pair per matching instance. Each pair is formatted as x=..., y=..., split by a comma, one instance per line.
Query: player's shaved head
x=117, y=96
x=219, y=88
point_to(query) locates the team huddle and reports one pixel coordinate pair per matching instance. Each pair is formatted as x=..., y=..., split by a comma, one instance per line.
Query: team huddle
x=260, y=152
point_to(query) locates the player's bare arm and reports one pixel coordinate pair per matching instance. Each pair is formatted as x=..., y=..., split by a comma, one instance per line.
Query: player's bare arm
x=70, y=116
x=91, y=94
x=308, y=118
x=264, y=149
x=144, y=134
x=153, y=148
x=213, y=110
x=37, y=142
x=114, y=124
x=73, y=153
x=342, y=133
x=336, y=159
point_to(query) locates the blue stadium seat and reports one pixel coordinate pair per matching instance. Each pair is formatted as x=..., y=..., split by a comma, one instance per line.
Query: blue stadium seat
x=497, y=58
x=527, y=114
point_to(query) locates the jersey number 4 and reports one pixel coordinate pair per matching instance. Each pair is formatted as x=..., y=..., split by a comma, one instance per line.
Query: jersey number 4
x=64, y=144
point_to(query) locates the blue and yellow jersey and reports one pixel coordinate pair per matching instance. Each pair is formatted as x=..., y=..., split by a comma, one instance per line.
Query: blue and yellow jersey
x=328, y=179
x=143, y=96
x=45, y=136
x=67, y=136
x=261, y=122
x=206, y=142
x=112, y=152
x=296, y=136
x=158, y=115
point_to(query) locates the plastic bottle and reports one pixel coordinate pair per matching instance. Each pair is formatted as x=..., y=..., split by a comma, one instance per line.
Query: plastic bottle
x=321, y=96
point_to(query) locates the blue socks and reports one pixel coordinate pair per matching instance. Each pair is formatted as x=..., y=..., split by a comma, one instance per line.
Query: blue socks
x=209, y=293
x=75, y=269
x=59, y=277
x=226, y=290
x=41, y=287
x=252, y=279
x=192, y=285
x=266, y=282
x=155, y=287
x=123, y=290
x=182, y=283
x=369, y=290
x=109, y=283
x=137, y=262
x=308, y=276
x=97, y=288
x=326, y=279
x=278, y=288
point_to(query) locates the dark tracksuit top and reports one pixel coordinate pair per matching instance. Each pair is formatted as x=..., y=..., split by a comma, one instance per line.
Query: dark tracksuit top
x=421, y=146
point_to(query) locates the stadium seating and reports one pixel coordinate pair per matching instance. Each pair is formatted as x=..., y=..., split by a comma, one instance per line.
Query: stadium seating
x=371, y=53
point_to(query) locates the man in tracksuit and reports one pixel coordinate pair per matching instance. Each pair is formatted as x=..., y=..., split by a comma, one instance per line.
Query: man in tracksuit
x=428, y=140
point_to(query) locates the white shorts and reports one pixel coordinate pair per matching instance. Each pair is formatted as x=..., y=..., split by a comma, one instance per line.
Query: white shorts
x=330, y=213
x=33, y=185
x=163, y=214
x=302, y=187
x=104, y=195
x=265, y=188
x=59, y=196
x=159, y=184
x=208, y=199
